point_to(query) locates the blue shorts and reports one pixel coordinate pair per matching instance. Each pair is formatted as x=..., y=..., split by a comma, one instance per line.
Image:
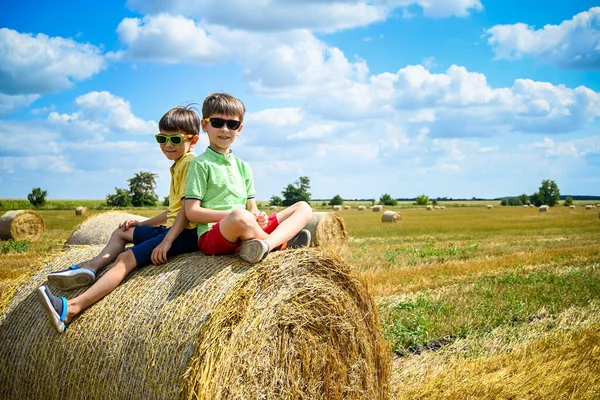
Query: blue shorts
x=147, y=238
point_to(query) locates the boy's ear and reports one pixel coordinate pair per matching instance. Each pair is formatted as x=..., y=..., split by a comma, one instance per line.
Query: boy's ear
x=203, y=122
x=195, y=139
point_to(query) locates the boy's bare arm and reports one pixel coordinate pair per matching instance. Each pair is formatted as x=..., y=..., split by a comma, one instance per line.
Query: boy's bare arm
x=159, y=254
x=261, y=216
x=196, y=213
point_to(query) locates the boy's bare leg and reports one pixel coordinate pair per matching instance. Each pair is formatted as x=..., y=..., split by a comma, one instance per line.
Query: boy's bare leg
x=291, y=221
x=104, y=285
x=115, y=246
x=241, y=225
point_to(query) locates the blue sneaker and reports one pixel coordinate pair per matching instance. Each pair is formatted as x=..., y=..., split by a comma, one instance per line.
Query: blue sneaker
x=54, y=306
x=71, y=278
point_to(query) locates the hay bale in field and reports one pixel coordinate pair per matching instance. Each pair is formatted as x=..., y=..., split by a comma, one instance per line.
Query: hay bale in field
x=347, y=207
x=571, y=206
x=532, y=205
x=337, y=208
x=361, y=208
x=273, y=208
x=299, y=325
x=489, y=206
x=429, y=208
x=97, y=228
x=327, y=229
x=391, y=216
x=588, y=206
x=82, y=211
x=543, y=208
x=442, y=207
x=22, y=225
x=377, y=208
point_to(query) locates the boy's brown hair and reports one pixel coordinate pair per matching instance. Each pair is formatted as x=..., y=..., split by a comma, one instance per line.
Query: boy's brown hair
x=182, y=118
x=223, y=103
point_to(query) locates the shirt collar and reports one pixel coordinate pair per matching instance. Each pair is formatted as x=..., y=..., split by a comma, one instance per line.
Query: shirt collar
x=215, y=155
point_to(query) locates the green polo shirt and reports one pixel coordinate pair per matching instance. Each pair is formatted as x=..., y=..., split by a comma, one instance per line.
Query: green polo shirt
x=220, y=181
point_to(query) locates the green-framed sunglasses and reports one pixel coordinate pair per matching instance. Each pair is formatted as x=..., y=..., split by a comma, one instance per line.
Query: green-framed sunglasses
x=174, y=139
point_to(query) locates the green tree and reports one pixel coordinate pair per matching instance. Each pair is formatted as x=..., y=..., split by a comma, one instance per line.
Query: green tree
x=524, y=199
x=297, y=192
x=120, y=198
x=422, y=200
x=275, y=201
x=568, y=201
x=141, y=188
x=387, y=200
x=336, y=200
x=37, y=197
x=548, y=193
x=166, y=201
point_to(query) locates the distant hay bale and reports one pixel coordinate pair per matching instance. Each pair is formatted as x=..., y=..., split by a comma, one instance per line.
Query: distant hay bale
x=82, y=211
x=327, y=229
x=22, y=225
x=347, y=207
x=391, y=216
x=525, y=205
x=299, y=325
x=571, y=206
x=588, y=206
x=543, y=208
x=489, y=206
x=361, y=208
x=429, y=208
x=273, y=208
x=97, y=228
x=437, y=207
x=442, y=207
x=337, y=208
x=377, y=208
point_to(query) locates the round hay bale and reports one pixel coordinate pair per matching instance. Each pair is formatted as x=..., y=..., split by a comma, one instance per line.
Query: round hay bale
x=588, y=206
x=82, y=211
x=97, y=228
x=273, y=208
x=347, y=207
x=429, y=208
x=337, y=208
x=572, y=206
x=391, y=216
x=442, y=207
x=543, y=208
x=361, y=208
x=22, y=225
x=299, y=325
x=327, y=229
x=377, y=208
x=489, y=206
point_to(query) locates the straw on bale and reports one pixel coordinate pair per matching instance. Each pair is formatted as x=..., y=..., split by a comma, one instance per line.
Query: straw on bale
x=97, y=228
x=361, y=208
x=299, y=325
x=82, y=211
x=327, y=229
x=543, y=208
x=337, y=208
x=377, y=208
x=391, y=216
x=22, y=225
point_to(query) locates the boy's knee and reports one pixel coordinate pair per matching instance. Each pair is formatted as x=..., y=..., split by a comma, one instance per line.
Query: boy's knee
x=126, y=258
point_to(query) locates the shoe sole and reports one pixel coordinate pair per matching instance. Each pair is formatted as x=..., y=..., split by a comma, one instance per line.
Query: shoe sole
x=49, y=310
x=302, y=239
x=68, y=282
x=253, y=251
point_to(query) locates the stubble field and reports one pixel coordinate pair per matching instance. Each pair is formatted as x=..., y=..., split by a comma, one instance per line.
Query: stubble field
x=475, y=303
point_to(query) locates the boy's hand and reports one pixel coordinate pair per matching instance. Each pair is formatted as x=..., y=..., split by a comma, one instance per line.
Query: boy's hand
x=262, y=219
x=130, y=223
x=159, y=254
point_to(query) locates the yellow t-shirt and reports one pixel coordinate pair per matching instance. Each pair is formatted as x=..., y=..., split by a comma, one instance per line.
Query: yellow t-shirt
x=177, y=190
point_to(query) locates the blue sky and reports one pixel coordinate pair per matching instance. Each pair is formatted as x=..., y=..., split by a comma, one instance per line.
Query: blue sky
x=449, y=98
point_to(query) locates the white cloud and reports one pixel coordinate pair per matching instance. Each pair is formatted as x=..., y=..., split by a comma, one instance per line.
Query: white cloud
x=99, y=114
x=38, y=64
x=574, y=43
x=9, y=103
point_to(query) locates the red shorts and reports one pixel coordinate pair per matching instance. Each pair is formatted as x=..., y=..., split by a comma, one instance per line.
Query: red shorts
x=212, y=243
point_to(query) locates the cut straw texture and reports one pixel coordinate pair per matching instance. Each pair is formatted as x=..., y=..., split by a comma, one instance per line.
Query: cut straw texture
x=327, y=229
x=97, y=228
x=391, y=216
x=22, y=225
x=299, y=325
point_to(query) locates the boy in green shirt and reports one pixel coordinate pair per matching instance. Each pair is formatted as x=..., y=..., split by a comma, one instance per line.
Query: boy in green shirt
x=219, y=193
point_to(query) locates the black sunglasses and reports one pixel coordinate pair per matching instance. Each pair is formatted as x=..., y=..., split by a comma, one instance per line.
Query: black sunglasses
x=218, y=123
x=174, y=139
